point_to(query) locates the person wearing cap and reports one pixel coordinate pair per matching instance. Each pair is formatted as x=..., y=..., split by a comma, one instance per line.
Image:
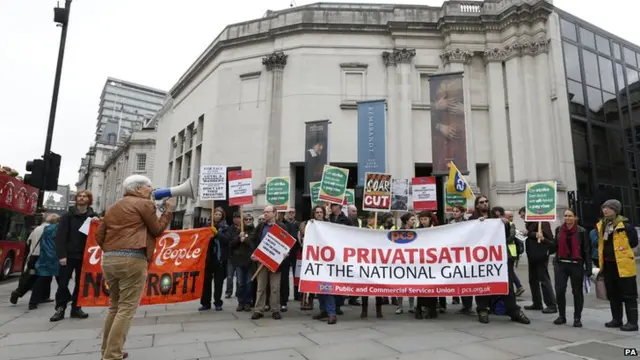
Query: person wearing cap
x=616, y=240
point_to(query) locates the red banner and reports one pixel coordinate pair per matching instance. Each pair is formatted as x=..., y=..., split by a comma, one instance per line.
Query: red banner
x=16, y=196
x=175, y=274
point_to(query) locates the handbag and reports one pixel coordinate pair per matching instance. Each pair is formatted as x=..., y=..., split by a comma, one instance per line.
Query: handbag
x=601, y=290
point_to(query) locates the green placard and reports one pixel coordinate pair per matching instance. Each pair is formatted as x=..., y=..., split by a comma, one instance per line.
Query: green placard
x=277, y=194
x=333, y=185
x=349, y=197
x=541, y=201
x=314, y=188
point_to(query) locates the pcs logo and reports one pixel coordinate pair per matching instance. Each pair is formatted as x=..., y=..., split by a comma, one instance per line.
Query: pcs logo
x=325, y=287
x=402, y=236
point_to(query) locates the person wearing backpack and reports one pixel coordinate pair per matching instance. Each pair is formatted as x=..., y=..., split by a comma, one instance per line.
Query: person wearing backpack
x=616, y=240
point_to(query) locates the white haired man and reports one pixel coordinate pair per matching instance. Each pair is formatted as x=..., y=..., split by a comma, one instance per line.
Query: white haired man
x=127, y=239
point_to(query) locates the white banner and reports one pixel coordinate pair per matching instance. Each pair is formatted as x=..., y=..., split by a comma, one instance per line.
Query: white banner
x=213, y=183
x=463, y=259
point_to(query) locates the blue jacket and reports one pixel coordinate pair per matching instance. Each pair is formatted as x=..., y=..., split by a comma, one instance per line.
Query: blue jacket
x=48, y=263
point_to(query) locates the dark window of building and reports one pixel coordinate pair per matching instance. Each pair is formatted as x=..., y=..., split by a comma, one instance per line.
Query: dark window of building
x=568, y=29
x=610, y=112
x=572, y=61
x=586, y=38
x=620, y=77
x=576, y=98
x=591, y=68
x=603, y=45
x=630, y=57
x=584, y=176
x=609, y=159
x=616, y=51
x=594, y=98
x=606, y=75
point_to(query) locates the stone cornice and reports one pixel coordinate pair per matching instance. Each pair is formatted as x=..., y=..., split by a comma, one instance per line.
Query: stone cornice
x=456, y=56
x=398, y=56
x=520, y=47
x=275, y=61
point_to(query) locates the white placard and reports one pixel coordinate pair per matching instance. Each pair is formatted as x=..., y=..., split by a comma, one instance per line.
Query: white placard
x=213, y=183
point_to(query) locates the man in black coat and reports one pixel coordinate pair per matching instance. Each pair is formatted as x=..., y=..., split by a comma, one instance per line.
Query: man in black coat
x=70, y=246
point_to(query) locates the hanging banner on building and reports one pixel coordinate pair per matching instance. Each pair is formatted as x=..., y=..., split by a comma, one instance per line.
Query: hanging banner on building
x=541, y=201
x=464, y=259
x=448, y=128
x=333, y=186
x=213, y=183
x=314, y=190
x=376, y=195
x=16, y=196
x=316, y=150
x=175, y=274
x=372, y=138
x=399, y=194
x=277, y=192
x=424, y=193
x=240, y=188
x=274, y=248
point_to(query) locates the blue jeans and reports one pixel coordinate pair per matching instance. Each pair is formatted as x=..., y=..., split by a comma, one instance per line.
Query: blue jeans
x=244, y=285
x=231, y=269
x=327, y=304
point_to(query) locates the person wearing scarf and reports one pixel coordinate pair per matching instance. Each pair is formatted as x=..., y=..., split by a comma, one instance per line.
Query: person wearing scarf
x=572, y=263
x=616, y=240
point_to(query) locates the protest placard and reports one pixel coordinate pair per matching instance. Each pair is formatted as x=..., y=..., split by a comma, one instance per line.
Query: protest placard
x=274, y=247
x=541, y=200
x=376, y=195
x=277, y=192
x=240, y=188
x=464, y=259
x=213, y=183
x=333, y=186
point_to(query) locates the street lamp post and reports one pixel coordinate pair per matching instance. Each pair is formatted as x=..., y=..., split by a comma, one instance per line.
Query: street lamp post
x=61, y=17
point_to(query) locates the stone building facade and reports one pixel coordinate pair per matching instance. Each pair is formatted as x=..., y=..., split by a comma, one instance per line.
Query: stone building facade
x=245, y=101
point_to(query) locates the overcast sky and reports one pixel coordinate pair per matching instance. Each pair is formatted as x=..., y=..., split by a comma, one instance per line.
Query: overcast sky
x=151, y=42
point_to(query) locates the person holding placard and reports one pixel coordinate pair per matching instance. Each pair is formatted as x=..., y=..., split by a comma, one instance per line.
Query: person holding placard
x=327, y=302
x=240, y=250
x=216, y=265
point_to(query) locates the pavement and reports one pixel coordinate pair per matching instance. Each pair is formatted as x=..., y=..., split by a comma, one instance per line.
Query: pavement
x=180, y=332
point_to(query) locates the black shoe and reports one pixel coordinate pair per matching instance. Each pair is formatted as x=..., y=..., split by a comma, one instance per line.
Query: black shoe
x=33, y=306
x=418, y=315
x=332, y=320
x=46, y=301
x=521, y=318
x=14, y=297
x=364, y=313
x=59, y=315
x=550, y=310
x=455, y=301
x=629, y=327
x=561, y=320
x=465, y=311
x=577, y=323
x=78, y=314
x=257, y=315
x=613, y=324
x=204, y=308
x=276, y=315
x=247, y=308
x=483, y=317
x=240, y=308
x=320, y=316
x=284, y=308
x=339, y=311
x=533, y=307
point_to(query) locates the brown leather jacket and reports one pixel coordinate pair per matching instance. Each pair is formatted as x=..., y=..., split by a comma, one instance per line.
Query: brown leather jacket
x=131, y=223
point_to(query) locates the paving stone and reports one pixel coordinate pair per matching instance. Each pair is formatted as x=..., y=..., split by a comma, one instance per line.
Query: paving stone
x=155, y=329
x=31, y=350
x=341, y=325
x=525, y=345
x=571, y=334
x=26, y=325
x=593, y=349
x=287, y=354
x=411, y=328
x=168, y=319
x=194, y=337
x=632, y=342
x=346, y=351
x=173, y=352
x=219, y=325
x=257, y=331
x=342, y=336
x=498, y=331
x=480, y=351
x=258, y=344
x=48, y=336
x=552, y=356
x=439, y=354
x=432, y=340
x=84, y=356
x=95, y=345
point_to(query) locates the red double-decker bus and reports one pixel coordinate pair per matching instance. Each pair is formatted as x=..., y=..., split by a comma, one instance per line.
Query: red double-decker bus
x=18, y=204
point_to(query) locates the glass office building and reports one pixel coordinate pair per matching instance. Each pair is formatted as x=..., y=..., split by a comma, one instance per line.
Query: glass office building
x=603, y=91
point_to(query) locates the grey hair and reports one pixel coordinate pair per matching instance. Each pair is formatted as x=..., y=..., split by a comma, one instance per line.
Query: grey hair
x=352, y=207
x=135, y=182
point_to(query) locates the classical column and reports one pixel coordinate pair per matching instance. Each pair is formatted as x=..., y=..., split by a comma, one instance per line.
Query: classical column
x=548, y=152
x=517, y=116
x=393, y=127
x=458, y=60
x=532, y=115
x=404, y=58
x=274, y=63
x=499, y=129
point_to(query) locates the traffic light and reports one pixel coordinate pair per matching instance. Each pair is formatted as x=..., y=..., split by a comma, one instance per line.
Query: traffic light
x=53, y=171
x=36, y=178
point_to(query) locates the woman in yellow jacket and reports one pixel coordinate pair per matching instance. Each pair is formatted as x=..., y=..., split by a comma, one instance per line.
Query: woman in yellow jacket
x=616, y=240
